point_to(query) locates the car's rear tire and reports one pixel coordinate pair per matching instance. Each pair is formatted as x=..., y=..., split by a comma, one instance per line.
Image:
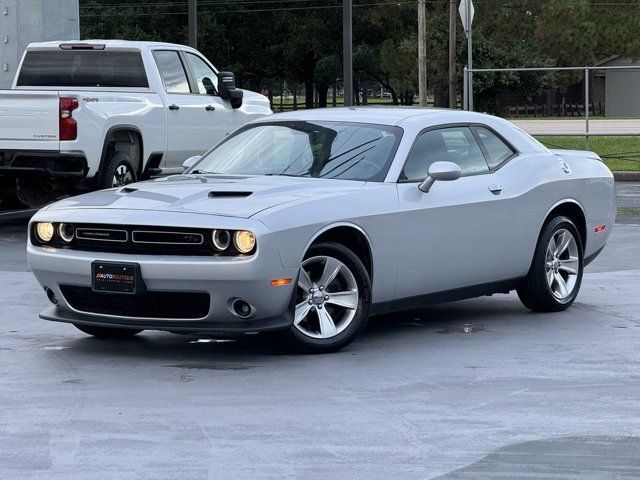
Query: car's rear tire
x=332, y=300
x=107, y=333
x=117, y=171
x=555, y=275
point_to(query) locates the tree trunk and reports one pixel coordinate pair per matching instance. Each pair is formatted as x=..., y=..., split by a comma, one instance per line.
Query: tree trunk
x=309, y=65
x=323, y=92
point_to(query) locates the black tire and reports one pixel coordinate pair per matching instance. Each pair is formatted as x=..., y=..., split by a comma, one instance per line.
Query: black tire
x=303, y=343
x=535, y=292
x=112, y=171
x=108, y=333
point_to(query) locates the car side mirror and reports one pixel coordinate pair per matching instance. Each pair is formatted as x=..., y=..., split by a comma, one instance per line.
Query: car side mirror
x=442, y=171
x=227, y=89
x=191, y=161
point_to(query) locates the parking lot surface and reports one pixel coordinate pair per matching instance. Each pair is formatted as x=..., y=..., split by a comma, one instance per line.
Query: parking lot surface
x=469, y=390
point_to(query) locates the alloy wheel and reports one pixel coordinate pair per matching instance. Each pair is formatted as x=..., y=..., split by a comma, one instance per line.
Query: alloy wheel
x=562, y=264
x=122, y=176
x=326, y=299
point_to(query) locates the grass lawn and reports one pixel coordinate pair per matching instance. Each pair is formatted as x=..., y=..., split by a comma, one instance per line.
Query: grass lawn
x=619, y=153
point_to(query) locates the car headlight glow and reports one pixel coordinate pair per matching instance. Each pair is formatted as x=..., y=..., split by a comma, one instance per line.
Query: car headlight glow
x=44, y=231
x=221, y=239
x=66, y=232
x=244, y=241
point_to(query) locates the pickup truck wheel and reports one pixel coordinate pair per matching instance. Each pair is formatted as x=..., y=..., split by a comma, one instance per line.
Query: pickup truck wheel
x=118, y=171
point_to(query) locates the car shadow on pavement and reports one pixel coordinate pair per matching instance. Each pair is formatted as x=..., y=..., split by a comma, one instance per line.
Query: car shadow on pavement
x=202, y=351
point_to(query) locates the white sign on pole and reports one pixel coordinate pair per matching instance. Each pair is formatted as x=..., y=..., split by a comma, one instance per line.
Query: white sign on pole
x=466, y=23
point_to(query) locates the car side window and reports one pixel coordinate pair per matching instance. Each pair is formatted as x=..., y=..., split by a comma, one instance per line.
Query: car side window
x=206, y=78
x=453, y=144
x=172, y=71
x=497, y=151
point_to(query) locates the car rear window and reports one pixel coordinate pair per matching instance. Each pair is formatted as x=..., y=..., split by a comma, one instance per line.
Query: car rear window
x=82, y=68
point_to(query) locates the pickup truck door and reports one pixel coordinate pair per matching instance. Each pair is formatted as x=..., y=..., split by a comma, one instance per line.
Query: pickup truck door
x=220, y=118
x=185, y=115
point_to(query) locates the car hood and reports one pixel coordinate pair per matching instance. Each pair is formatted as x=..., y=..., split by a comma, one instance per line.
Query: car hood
x=232, y=196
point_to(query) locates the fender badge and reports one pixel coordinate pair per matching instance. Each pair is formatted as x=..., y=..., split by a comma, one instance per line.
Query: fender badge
x=565, y=167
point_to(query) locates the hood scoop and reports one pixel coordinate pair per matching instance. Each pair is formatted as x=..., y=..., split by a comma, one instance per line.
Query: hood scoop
x=229, y=194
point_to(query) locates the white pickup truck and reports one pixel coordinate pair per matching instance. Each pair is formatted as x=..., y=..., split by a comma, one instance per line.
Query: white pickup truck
x=103, y=113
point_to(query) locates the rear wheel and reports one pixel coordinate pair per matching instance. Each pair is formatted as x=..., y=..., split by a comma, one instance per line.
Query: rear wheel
x=118, y=171
x=555, y=276
x=108, y=333
x=332, y=301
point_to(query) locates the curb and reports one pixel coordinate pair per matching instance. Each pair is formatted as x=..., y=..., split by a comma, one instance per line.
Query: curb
x=626, y=176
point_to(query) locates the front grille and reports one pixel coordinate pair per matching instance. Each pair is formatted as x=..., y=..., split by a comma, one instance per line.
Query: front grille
x=142, y=240
x=152, y=304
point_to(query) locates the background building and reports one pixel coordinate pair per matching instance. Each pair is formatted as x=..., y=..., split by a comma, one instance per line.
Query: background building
x=26, y=21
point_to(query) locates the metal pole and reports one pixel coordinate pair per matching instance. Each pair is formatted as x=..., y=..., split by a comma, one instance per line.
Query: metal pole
x=422, y=52
x=347, y=51
x=453, y=94
x=193, y=23
x=465, y=89
x=469, y=57
x=586, y=107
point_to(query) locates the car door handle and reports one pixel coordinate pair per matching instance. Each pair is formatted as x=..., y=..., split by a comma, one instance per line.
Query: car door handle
x=210, y=108
x=174, y=107
x=495, y=189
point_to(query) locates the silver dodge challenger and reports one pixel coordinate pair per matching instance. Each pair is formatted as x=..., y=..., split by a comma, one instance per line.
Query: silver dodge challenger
x=309, y=222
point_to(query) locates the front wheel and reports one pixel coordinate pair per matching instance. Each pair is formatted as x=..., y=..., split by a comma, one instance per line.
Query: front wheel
x=332, y=300
x=555, y=276
x=108, y=333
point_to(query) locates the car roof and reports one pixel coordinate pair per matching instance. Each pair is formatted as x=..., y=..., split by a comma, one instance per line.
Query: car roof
x=108, y=44
x=383, y=115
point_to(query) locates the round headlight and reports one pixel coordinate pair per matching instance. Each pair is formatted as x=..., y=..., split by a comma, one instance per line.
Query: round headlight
x=44, y=231
x=221, y=239
x=244, y=241
x=65, y=232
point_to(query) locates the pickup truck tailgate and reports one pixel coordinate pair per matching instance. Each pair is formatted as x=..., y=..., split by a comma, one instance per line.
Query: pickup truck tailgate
x=29, y=120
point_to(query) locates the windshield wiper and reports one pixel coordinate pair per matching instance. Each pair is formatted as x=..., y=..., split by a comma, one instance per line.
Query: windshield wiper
x=304, y=174
x=205, y=172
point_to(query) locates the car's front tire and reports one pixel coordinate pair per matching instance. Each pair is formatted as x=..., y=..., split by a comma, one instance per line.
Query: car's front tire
x=332, y=300
x=107, y=333
x=555, y=276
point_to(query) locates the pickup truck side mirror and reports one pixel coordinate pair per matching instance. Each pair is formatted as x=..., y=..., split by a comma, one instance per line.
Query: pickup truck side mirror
x=227, y=89
x=443, y=171
x=191, y=161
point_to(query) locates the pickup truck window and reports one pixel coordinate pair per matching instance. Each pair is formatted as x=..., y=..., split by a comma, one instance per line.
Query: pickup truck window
x=82, y=68
x=172, y=71
x=206, y=78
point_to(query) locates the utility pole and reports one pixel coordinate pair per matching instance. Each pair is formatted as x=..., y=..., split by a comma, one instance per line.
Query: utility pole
x=470, y=55
x=422, y=52
x=347, y=51
x=193, y=23
x=453, y=94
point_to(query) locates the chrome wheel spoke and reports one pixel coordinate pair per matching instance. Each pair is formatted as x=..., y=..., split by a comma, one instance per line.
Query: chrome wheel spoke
x=569, y=265
x=302, y=310
x=347, y=299
x=561, y=285
x=330, y=272
x=562, y=242
x=304, y=282
x=550, y=277
x=327, y=326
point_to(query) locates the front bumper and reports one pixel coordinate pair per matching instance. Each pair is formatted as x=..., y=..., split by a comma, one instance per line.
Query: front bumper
x=223, y=278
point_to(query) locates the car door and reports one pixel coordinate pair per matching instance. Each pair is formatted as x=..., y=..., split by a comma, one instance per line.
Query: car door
x=457, y=234
x=185, y=116
x=220, y=118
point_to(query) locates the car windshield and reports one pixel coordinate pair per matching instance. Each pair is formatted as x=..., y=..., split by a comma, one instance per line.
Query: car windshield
x=349, y=151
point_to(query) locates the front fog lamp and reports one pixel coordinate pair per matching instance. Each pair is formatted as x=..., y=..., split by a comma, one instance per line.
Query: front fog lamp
x=65, y=232
x=244, y=241
x=44, y=232
x=221, y=239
